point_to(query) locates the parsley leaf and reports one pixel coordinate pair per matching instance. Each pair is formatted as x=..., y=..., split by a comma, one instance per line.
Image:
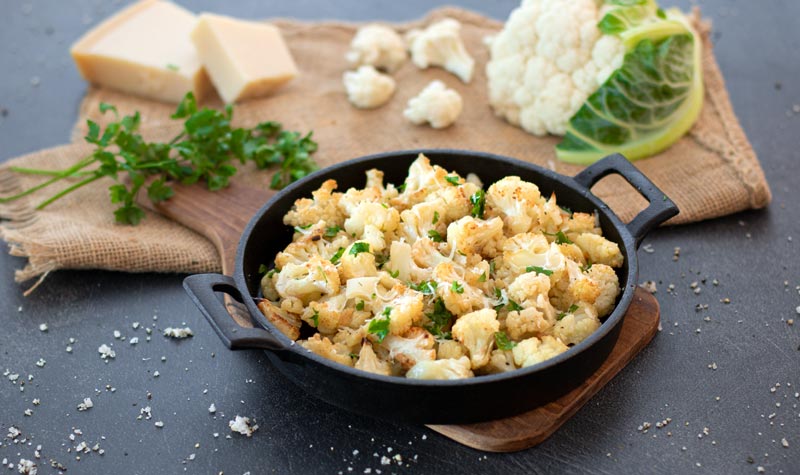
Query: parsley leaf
x=360, y=305
x=359, y=247
x=502, y=341
x=452, y=179
x=457, y=287
x=435, y=236
x=204, y=152
x=380, y=327
x=332, y=231
x=394, y=274
x=587, y=266
x=315, y=319
x=262, y=269
x=514, y=306
x=538, y=270
x=338, y=255
x=478, y=200
x=435, y=217
x=482, y=278
x=440, y=318
x=572, y=308
x=300, y=229
x=427, y=287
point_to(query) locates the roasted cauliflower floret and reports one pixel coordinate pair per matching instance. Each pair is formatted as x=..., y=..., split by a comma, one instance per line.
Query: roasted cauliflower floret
x=423, y=179
x=328, y=314
x=287, y=323
x=608, y=283
x=499, y=362
x=401, y=262
x=441, y=369
x=527, y=322
x=516, y=202
x=371, y=214
x=534, y=350
x=327, y=349
x=407, y=350
x=455, y=201
x=404, y=309
x=418, y=221
x=551, y=216
x=469, y=235
x=369, y=361
x=308, y=281
x=427, y=256
x=323, y=206
x=582, y=223
x=450, y=349
x=575, y=326
x=303, y=248
x=357, y=261
x=530, y=250
x=458, y=296
x=440, y=45
x=378, y=46
x=476, y=332
x=599, y=250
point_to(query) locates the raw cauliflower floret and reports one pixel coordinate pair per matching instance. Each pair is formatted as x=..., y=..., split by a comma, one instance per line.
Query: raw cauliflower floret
x=367, y=88
x=357, y=264
x=441, y=369
x=324, y=347
x=440, y=45
x=458, y=296
x=328, y=314
x=379, y=46
x=517, y=202
x=599, y=250
x=476, y=332
x=548, y=59
x=407, y=350
x=534, y=350
x=323, y=206
x=608, y=283
x=369, y=361
x=576, y=326
x=308, y=281
x=436, y=105
x=404, y=309
x=470, y=235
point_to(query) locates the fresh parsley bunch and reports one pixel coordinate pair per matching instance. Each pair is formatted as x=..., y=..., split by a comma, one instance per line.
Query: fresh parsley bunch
x=203, y=152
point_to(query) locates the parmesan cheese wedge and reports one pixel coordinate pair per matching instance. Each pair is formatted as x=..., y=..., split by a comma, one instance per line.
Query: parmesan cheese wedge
x=243, y=59
x=145, y=50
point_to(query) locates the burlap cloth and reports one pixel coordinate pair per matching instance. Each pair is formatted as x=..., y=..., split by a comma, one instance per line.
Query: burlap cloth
x=711, y=172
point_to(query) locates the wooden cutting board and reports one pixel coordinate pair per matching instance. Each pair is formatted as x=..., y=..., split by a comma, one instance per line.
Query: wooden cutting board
x=221, y=217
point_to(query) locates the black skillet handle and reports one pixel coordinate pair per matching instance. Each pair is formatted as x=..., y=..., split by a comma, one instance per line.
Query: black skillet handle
x=659, y=209
x=201, y=289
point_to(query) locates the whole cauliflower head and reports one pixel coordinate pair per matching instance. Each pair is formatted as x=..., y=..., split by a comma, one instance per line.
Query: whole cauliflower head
x=548, y=59
x=440, y=45
x=441, y=369
x=476, y=332
x=436, y=105
x=367, y=88
x=378, y=46
x=533, y=350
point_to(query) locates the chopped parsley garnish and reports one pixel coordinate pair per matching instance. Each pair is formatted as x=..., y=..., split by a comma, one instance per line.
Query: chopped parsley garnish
x=262, y=269
x=380, y=260
x=538, y=270
x=335, y=258
x=435, y=217
x=514, y=306
x=566, y=210
x=380, y=327
x=427, y=287
x=172, y=67
x=501, y=299
x=587, y=266
x=360, y=305
x=435, y=236
x=402, y=187
x=359, y=247
x=572, y=309
x=491, y=267
x=385, y=205
x=332, y=231
x=300, y=229
x=452, y=179
x=440, y=319
x=562, y=238
x=394, y=273
x=457, y=287
x=502, y=341
x=478, y=200
x=315, y=319
x=271, y=272
x=482, y=278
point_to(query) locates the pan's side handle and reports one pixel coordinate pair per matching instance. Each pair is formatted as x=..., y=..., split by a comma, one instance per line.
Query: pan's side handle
x=659, y=209
x=201, y=289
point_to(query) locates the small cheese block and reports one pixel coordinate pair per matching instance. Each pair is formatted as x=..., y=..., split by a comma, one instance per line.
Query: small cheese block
x=146, y=50
x=243, y=59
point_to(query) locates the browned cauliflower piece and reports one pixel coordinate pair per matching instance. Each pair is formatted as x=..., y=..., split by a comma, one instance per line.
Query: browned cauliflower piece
x=608, y=284
x=328, y=314
x=287, y=323
x=441, y=369
x=599, y=250
x=470, y=235
x=458, y=296
x=534, y=350
x=327, y=349
x=308, y=281
x=369, y=361
x=407, y=350
x=323, y=206
x=516, y=202
x=476, y=332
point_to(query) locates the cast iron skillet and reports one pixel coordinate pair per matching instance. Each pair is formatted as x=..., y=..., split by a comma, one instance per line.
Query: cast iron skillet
x=457, y=401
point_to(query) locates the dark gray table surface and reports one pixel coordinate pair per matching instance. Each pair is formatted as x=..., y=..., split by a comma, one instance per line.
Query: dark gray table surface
x=746, y=405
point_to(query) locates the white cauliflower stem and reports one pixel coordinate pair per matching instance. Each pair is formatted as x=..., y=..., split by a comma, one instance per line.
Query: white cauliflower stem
x=436, y=105
x=440, y=45
x=367, y=88
x=378, y=46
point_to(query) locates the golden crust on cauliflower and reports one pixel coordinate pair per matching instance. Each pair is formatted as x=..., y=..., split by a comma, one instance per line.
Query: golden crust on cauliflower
x=437, y=279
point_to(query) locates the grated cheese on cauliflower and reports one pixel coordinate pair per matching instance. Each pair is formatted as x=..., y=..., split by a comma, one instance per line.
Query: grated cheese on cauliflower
x=417, y=283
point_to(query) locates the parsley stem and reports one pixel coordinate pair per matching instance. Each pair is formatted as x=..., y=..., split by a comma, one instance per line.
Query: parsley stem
x=59, y=176
x=36, y=171
x=67, y=190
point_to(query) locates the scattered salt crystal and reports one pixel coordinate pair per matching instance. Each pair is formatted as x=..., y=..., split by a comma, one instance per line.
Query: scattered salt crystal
x=159, y=424
x=106, y=352
x=43, y=327
x=86, y=404
x=212, y=408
